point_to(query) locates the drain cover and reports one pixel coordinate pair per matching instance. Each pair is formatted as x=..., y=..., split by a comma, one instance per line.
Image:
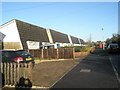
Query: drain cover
x=85, y=70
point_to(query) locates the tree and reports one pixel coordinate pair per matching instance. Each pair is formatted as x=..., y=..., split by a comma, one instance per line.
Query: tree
x=115, y=39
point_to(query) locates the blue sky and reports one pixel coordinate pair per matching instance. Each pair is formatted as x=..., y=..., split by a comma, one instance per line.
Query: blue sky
x=80, y=19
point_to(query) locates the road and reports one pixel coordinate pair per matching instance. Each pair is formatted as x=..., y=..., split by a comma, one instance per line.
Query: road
x=94, y=71
x=115, y=60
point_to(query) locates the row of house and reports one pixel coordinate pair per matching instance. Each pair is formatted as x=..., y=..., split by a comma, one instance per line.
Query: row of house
x=17, y=34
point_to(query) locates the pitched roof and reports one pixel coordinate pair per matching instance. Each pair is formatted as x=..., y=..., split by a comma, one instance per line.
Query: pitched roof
x=29, y=32
x=59, y=37
x=82, y=41
x=74, y=40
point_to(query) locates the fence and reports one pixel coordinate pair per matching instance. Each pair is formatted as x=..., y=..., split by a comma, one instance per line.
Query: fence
x=59, y=53
x=13, y=73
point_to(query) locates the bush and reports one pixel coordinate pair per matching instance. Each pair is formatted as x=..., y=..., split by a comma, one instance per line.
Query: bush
x=83, y=49
x=80, y=48
x=68, y=47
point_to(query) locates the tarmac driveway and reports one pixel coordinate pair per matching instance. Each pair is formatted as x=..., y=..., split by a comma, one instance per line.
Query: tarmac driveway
x=94, y=71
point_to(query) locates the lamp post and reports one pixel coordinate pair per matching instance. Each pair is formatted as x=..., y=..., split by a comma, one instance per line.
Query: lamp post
x=102, y=34
x=103, y=39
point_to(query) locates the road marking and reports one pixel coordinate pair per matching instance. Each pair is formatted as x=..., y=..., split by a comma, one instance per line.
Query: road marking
x=85, y=70
x=116, y=73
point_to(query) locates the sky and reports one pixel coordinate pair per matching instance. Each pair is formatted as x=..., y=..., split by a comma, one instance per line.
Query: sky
x=79, y=19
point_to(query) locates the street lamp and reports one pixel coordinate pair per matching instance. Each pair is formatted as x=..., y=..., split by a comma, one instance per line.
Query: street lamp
x=102, y=35
x=103, y=42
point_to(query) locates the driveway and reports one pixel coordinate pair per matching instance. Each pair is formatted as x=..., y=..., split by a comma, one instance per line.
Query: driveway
x=95, y=71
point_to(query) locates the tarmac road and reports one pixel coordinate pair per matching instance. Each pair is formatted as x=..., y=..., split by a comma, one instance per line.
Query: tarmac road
x=115, y=59
x=93, y=72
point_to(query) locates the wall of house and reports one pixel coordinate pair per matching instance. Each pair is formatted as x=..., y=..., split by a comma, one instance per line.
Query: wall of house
x=12, y=38
x=1, y=40
x=70, y=40
x=49, y=35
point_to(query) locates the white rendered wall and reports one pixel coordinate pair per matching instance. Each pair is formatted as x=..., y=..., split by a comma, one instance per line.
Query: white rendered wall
x=70, y=40
x=79, y=42
x=11, y=32
x=49, y=35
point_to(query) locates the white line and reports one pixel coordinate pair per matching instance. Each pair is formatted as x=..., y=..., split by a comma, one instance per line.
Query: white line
x=114, y=70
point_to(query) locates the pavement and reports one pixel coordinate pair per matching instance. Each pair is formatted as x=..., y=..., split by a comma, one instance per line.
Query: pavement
x=95, y=71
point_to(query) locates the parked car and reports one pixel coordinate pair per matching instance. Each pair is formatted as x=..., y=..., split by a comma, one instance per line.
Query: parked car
x=16, y=56
x=113, y=48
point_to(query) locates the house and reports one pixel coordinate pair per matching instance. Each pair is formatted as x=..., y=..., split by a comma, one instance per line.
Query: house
x=22, y=35
x=1, y=40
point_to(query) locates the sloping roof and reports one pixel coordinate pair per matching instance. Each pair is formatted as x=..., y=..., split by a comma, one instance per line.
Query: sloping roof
x=29, y=32
x=59, y=37
x=74, y=40
x=82, y=41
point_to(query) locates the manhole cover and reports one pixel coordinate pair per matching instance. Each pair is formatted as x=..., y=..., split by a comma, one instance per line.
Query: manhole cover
x=85, y=70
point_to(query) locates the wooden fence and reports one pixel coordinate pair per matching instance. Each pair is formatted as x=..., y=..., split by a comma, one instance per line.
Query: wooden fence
x=59, y=53
x=14, y=72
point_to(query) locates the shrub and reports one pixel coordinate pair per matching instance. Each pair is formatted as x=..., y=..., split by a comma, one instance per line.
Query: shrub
x=77, y=48
x=80, y=48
